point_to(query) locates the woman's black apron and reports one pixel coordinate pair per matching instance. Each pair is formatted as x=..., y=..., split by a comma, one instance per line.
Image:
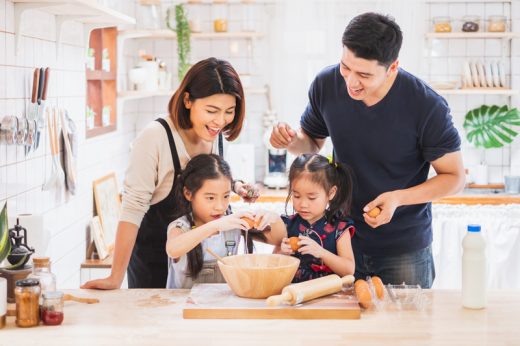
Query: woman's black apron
x=148, y=267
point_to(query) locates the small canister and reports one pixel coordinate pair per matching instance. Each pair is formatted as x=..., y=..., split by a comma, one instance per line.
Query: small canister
x=442, y=24
x=52, y=308
x=27, y=296
x=497, y=24
x=470, y=23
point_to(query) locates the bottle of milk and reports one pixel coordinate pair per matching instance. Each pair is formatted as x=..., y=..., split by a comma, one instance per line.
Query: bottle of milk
x=473, y=269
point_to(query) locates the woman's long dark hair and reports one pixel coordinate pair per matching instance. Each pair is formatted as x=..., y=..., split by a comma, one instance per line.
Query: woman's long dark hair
x=199, y=169
x=209, y=77
x=326, y=174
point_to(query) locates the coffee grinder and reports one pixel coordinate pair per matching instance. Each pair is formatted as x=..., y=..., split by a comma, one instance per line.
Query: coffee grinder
x=276, y=169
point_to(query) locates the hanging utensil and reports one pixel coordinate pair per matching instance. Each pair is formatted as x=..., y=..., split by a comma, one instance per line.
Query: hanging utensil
x=41, y=109
x=57, y=176
x=68, y=160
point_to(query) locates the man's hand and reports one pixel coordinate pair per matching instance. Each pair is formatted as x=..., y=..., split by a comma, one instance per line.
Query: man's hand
x=248, y=192
x=281, y=136
x=388, y=203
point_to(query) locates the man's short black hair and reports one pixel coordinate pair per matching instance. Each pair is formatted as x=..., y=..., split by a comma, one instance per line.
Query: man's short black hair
x=373, y=36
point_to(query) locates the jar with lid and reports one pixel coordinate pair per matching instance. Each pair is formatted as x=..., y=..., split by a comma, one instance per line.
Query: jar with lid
x=42, y=272
x=52, y=308
x=27, y=296
x=470, y=23
x=220, y=23
x=496, y=23
x=442, y=24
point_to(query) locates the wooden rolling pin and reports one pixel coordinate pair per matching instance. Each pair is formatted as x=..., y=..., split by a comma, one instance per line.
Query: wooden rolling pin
x=80, y=300
x=308, y=290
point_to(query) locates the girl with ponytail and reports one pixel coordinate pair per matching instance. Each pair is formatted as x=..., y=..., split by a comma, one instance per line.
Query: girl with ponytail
x=321, y=194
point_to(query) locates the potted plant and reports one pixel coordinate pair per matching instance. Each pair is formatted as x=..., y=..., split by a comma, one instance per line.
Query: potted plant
x=490, y=127
x=182, y=29
x=5, y=242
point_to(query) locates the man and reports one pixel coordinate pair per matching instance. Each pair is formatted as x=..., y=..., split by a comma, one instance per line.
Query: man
x=389, y=127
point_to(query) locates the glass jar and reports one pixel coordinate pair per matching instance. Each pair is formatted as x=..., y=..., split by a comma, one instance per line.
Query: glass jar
x=42, y=272
x=52, y=308
x=442, y=24
x=496, y=23
x=220, y=23
x=470, y=23
x=27, y=296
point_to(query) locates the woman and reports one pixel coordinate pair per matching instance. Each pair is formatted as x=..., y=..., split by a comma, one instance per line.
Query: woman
x=209, y=103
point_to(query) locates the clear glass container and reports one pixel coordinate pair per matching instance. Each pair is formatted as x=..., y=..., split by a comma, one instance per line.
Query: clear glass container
x=27, y=296
x=220, y=22
x=442, y=24
x=42, y=272
x=497, y=23
x=52, y=308
x=470, y=23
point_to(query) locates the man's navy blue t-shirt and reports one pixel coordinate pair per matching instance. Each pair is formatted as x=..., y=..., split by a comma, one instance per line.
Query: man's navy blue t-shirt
x=389, y=146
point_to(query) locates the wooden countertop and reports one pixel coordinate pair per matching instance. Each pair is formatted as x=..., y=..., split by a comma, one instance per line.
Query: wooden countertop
x=273, y=196
x=146, y=317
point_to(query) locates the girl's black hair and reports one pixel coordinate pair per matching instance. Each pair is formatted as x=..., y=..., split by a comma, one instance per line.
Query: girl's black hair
x=199, y=169
x=326, y=174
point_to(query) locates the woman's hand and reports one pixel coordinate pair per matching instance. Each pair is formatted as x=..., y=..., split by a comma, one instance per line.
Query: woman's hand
x=231, y=222
x=310, y=247
x=108, y=283
x=248, y=192
x=285, y=247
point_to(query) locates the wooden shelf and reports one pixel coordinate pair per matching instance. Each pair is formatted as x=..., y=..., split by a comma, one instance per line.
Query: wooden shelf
x=464, y=35
x=168, y=34
x=88, y=12
x=478, y=91
x=134, y=95
x=100, y=75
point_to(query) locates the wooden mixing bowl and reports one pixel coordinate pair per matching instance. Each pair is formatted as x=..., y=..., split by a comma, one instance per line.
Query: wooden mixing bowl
x=258, y=275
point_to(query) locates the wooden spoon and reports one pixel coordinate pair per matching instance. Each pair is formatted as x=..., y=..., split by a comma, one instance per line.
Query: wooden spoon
x=215, y=255
x=80, y=300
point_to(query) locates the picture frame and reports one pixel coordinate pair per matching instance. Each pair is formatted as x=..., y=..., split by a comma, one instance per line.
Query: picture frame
x=107, y=206
x=98, y=237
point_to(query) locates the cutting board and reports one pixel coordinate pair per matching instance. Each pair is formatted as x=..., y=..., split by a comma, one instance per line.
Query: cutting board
x=217, y=301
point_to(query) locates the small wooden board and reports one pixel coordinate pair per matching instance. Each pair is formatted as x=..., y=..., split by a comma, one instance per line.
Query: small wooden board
x=217, y=301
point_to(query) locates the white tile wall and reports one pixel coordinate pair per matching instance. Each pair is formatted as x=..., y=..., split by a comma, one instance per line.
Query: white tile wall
x=446, y=62
x=22, y=176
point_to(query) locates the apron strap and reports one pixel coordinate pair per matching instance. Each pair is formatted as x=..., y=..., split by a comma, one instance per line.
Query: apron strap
x=220, y=145
x=173, y=148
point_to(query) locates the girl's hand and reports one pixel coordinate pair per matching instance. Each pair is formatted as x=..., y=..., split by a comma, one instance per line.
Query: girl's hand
x=248, y=192
x=285, y=247
x=231, y=222
x=310, y=247
x=264, y=219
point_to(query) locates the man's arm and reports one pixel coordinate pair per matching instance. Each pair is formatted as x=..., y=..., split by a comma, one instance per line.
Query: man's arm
x=449, y=180
x=296, y=142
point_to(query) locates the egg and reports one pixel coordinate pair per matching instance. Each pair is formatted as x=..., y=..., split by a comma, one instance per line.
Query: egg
x=250, y=222
x=379, y=288
x=293, y=241
x=363, y=293
x=374, y=212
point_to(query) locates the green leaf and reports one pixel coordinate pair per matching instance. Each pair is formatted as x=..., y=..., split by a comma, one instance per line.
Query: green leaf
x=5, y=243
x=491, y=126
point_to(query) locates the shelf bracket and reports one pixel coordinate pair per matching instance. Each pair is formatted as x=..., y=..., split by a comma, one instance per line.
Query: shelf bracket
x=19, y=9
x=60, y=20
